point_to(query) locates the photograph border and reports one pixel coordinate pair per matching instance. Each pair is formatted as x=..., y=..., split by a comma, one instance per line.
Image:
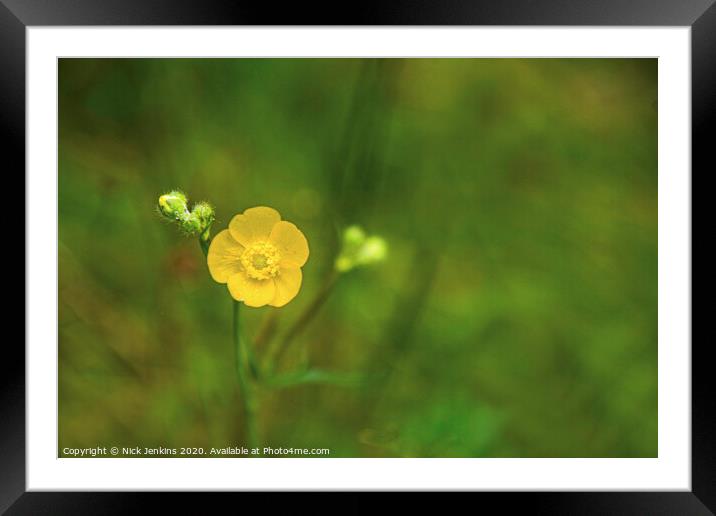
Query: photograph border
x=17, y=15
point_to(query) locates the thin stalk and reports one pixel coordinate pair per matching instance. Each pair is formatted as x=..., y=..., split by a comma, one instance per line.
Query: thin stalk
x=247, y=394
x=302, y=322
x=267, y=329
x=253, y=364
x=244, y=364
x=204, y=241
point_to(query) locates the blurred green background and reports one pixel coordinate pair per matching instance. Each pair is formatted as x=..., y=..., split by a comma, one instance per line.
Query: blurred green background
x=516, y=315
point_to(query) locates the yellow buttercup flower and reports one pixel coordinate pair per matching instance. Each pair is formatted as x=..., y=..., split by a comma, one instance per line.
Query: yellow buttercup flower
x=259, y=258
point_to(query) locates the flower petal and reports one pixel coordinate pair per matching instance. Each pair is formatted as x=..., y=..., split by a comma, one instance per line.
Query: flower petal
x=224, y=256
x=254, y=224
x=288, y=283
x=291, y=243
x=252, y=292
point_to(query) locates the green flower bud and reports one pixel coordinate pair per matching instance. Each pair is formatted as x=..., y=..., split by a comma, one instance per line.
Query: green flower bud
x=173, y=205
x=353, y=236
x=359, y=250
x=203, y=213
x=343, y=264
x=373, y=250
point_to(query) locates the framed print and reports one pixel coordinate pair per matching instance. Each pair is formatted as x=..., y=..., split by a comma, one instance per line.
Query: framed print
x=441, y=249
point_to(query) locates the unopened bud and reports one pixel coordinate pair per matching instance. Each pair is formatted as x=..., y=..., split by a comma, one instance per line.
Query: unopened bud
x=373, y=250
x=359, y=250
x=353, y=236
x=173, y=205
x=204, y=215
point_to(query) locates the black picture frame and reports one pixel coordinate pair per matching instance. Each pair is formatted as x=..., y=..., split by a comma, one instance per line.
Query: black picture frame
x=17, y=15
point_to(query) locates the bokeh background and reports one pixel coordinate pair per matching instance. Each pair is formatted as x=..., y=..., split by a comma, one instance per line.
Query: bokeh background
x=516, y=315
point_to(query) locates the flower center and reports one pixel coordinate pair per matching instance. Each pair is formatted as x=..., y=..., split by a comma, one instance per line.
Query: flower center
x=260, y=260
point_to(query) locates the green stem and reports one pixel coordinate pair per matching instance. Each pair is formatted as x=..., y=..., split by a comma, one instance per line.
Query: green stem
x=244, y=363
x=247, y=394
x=204, y=242
x=267, y=330
x=303, y=321
x=254, y=366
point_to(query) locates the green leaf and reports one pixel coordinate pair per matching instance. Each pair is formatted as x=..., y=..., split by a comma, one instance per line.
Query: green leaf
x=314, y=376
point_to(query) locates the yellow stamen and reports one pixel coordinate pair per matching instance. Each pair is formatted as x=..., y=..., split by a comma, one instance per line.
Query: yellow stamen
x=260, y=260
